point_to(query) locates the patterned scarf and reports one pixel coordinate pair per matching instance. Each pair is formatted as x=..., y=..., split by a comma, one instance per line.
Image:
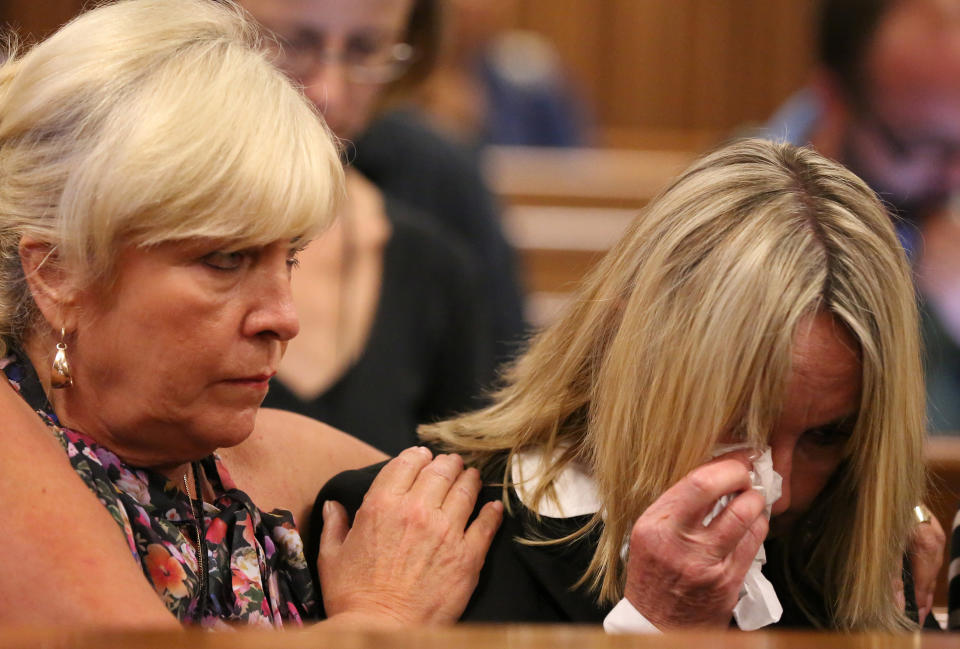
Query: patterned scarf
x=255, y=568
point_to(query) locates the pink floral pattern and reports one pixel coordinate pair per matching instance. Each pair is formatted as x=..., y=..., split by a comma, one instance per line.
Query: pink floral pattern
x=256, y=571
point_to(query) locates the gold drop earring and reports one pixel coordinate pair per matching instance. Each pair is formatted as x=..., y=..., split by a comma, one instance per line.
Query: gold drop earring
x=60, y=376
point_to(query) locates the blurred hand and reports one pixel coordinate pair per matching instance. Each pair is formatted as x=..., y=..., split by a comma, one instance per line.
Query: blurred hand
x=925, y=551
x=407, y=559
x=682, y=574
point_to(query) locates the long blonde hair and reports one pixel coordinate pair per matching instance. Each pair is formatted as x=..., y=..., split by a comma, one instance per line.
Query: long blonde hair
x=684, y=332
x=147, y=121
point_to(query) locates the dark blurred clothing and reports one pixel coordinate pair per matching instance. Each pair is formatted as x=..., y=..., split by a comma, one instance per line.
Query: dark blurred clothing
x=541, y=111
x=407, y=159
x=429, y=351
x=535, y=583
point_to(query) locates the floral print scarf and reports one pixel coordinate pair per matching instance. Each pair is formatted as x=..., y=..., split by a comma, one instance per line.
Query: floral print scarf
x=256, y=571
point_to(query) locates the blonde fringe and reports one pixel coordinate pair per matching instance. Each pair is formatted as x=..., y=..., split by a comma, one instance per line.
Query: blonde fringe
x=146, y=121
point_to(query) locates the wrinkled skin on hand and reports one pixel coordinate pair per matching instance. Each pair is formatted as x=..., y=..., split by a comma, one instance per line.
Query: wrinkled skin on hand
x=409, y=558
x=681, y=573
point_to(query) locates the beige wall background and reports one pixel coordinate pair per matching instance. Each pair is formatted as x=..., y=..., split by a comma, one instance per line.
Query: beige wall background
x=645, y=65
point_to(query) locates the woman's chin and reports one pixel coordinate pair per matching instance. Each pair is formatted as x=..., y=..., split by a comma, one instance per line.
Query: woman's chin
x=229, y=429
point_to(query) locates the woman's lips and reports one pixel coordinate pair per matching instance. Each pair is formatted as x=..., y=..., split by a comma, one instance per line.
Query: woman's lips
x=255, y=381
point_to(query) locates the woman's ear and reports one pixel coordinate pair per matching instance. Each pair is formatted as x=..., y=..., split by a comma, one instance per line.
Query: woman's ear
x=54, y=291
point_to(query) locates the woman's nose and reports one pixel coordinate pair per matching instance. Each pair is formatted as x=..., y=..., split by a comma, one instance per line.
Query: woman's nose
x=326, y=87
x=273, y=313
x=282, y=319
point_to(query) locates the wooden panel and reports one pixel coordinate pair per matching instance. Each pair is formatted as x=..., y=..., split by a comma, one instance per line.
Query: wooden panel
x=649, y=64
x=660, y=139
x=576, y=28
x=717, y=66
x=565, y=208
x=33, y=19
x=679, y=64
x=643, y=64
x=771, y=61
x=557, y=272
x=790, y=49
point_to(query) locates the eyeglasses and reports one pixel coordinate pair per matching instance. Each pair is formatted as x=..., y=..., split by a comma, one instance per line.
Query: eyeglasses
x=362, y=61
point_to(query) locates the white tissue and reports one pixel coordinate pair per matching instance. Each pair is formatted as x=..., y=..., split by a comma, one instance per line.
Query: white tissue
x=758, y=605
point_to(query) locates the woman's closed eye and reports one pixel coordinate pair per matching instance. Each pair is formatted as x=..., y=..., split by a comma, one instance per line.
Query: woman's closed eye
x=827, y=436
x=224, y=260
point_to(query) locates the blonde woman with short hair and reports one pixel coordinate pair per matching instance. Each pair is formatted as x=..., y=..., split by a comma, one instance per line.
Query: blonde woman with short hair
x=762, y=300
x=157, y=178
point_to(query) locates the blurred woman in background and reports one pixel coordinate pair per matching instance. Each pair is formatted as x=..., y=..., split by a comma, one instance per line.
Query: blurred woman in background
x=404, y=302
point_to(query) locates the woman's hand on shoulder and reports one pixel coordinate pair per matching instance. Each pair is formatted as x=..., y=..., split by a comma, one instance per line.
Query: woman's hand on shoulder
x=681, y=573
x=410, y=557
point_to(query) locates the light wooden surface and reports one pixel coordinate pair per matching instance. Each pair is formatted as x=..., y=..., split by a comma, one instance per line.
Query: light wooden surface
x=563, y=209
x=617, y=178
x=573, y=204
x=478, y=637
x=661, y=139
x=558, y=245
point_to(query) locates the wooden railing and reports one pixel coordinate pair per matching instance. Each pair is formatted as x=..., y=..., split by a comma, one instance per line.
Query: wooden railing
x=464, y=637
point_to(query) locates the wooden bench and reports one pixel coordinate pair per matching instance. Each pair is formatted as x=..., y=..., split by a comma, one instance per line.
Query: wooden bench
x=620, y=178
x=564, y=208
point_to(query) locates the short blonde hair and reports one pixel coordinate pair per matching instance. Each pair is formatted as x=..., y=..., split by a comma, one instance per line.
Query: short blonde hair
x=684, y=333
x=147, y=121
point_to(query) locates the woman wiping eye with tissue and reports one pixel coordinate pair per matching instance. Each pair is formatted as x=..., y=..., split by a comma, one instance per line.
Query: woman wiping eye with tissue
x=757, y=321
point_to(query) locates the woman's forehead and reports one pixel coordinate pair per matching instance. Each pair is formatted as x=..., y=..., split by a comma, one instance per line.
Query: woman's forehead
x=823, y=346
x=826, y=375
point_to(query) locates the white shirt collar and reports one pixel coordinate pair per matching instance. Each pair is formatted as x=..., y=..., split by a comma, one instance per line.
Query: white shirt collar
x=575, y=491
